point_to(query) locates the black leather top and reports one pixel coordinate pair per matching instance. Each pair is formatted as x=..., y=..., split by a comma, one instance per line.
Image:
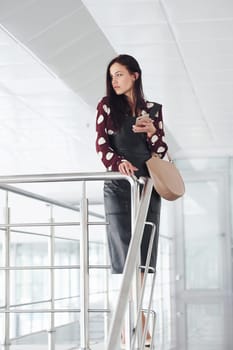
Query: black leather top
x=132, y=146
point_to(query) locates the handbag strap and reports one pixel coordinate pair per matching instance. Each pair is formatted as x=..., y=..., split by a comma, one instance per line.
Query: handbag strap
x=168, y=156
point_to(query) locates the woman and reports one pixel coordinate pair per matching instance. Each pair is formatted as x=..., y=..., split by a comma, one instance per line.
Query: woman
x=125, y=147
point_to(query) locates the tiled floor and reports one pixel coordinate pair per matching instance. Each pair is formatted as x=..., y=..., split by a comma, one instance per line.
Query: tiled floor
x=101, y=346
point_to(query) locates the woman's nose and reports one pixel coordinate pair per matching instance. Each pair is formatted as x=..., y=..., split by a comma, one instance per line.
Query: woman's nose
x=114, y=79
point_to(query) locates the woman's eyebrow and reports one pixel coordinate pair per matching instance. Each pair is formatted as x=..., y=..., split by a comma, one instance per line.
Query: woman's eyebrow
x=119, y=71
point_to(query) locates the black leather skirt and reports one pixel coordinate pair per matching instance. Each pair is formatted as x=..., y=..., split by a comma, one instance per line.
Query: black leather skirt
x=117, y=204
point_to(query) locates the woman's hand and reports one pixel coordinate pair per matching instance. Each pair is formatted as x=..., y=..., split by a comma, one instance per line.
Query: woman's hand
x=146, y=125
x=126, y=168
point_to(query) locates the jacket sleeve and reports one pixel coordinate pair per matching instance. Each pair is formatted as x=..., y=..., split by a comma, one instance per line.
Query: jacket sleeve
x=156, y=141
x=109, y=157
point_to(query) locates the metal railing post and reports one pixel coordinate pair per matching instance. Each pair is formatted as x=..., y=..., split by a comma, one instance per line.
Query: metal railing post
x=6, y=255
x=51, y=252
x=131, y=311
x=140, y=335
x=106, y=288
x=84, y=272
x=136, y=283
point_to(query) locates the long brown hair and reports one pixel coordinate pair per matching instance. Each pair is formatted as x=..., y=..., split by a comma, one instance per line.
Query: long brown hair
x=119, y=104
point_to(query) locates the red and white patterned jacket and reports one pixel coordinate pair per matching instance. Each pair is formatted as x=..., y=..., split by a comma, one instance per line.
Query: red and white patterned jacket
x=104, y=128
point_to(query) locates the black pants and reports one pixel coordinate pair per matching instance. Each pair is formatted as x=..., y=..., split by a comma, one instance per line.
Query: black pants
x=117, y=203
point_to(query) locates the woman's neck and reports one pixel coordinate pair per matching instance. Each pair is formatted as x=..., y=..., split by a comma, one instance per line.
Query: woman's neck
x=132, y=103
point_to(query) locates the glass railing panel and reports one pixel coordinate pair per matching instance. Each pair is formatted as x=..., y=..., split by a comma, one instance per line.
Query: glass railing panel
x=29, y=211
x=25, y=324
x=29, y=286
x=66, y=250
x=66, y=286
x=28, y=249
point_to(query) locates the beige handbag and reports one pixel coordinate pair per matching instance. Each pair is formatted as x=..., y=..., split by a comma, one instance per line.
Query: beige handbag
x=166, y=177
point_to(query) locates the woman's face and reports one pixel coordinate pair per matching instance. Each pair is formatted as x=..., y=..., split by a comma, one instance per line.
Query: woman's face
x=122, y=79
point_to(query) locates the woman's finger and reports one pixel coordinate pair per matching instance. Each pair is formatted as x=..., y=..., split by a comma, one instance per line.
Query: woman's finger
x=126, y=168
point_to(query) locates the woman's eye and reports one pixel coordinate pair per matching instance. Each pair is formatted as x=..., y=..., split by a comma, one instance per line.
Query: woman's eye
x=117, y=75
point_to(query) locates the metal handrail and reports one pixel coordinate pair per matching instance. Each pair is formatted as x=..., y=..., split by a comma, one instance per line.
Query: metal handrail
x=37, y=197
x=44, y=178
x=50, y=224
x=51, y=267
x=66, y=177
x=138, y=222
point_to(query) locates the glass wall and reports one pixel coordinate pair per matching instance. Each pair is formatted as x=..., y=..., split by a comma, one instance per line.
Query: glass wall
x=202, y=227
x=204, y=255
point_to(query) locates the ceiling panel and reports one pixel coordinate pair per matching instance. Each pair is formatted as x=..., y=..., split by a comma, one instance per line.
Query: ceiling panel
x=139, y=34
x=55, y=38
x=120, y=18
x=9, y=7
x=63, y=60
x=13, y=16
x=206, y=30
x=207, y=48
x=183, y=10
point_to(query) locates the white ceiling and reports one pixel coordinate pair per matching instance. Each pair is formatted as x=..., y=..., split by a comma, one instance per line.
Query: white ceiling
x=53, y=56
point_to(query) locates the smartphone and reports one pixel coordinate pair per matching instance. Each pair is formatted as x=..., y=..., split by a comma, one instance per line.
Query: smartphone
x=141, y=118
